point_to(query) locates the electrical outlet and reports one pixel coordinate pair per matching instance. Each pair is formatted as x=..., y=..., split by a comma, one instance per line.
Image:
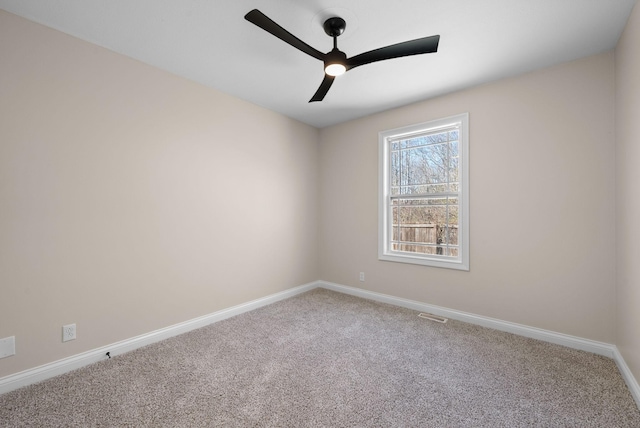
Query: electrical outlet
x=362, y=276
x=7, y=346
x=68, y=332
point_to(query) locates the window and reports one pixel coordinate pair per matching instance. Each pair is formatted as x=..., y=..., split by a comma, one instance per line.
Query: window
x=424, y=194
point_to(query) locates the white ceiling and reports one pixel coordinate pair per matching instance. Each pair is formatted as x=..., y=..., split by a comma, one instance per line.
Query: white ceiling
x=211, y=43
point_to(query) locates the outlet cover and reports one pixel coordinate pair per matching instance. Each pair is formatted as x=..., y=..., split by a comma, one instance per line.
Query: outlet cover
x=68, y=332
x=7, y=346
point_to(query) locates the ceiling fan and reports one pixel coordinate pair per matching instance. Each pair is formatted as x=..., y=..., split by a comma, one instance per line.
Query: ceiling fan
x=336, y=61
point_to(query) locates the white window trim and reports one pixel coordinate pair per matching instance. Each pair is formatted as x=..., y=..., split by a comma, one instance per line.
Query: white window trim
x=384, y=253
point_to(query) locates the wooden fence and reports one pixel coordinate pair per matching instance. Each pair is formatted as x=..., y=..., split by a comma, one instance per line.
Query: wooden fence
x=432, y=238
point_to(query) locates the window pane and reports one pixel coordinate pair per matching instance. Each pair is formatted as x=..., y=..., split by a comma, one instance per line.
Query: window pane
x=424, y=164
x=454, y=175
x=427, y=226
x=453, y=146
x=413, y=142
x=418, y=167
x=394, y=173
x=434, y=138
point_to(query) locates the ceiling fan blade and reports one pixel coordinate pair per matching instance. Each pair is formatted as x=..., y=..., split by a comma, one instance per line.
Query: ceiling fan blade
x=412, y=47
x=263, y=21
x=323, y=89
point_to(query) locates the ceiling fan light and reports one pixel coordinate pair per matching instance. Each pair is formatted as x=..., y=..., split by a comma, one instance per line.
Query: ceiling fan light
x=334, y=63
x=335, y=69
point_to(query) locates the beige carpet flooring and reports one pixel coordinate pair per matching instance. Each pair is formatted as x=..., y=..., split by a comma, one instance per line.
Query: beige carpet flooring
x=324, y=359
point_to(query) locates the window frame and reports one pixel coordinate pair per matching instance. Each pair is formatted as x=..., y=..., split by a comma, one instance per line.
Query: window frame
x=385, y=252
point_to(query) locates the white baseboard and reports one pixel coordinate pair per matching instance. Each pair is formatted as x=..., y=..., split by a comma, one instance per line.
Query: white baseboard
x=599, y=348
x=46, y=371
x=628, y=377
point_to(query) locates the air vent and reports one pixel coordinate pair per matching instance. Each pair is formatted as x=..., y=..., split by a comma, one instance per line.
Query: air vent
x=433, y=317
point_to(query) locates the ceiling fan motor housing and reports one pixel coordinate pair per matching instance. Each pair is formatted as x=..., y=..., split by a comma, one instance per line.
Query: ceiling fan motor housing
x=336, y=56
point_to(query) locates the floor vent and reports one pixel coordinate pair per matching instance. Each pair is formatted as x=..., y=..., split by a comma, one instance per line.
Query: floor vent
x=433, y=317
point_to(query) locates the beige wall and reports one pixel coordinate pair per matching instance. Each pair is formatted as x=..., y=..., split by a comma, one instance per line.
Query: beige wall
x=628, y=192
x=542, y=202
x=131, y=199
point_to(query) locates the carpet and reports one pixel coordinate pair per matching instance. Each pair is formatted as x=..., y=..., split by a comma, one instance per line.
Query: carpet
x=326, y=359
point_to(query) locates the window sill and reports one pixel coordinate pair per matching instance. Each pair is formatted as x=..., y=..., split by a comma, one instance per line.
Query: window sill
x=425, y=261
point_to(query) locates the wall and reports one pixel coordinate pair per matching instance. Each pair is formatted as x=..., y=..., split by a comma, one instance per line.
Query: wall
x=132, y=199
x=542, y=202
x=628, y=192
